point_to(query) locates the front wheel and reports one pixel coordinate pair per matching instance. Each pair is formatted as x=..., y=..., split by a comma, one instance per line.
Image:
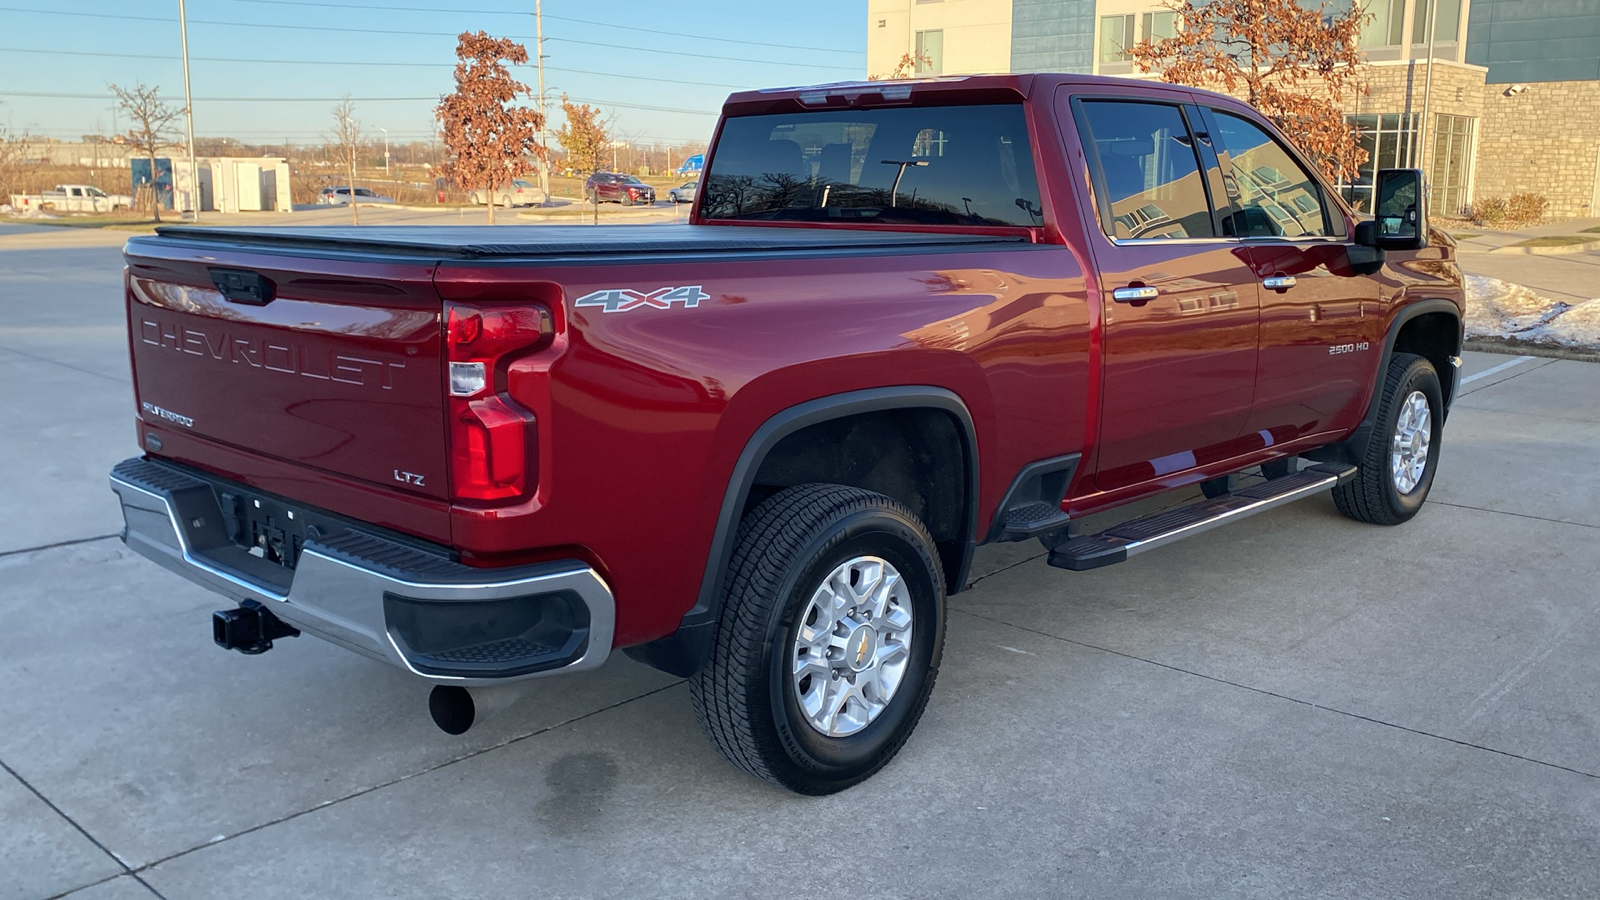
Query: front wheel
x=1394, y=476
x=828, y=644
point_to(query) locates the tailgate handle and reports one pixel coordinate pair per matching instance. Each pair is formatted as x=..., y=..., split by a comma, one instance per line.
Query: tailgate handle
x=243, y=286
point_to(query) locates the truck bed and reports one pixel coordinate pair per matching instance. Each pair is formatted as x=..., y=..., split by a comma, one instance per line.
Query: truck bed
x=568, y=242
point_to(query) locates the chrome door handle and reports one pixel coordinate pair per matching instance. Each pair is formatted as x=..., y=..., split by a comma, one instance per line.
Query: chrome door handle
x=1131, y=294
x=1278, y=282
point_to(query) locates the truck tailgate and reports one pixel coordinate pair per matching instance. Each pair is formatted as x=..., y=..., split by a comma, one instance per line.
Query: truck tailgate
x=336, y=366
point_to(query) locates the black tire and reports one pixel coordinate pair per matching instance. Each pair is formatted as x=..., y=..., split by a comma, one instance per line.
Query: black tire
x=593, y=197
x=627, y=199
x=1373, y=496
x=744, y=696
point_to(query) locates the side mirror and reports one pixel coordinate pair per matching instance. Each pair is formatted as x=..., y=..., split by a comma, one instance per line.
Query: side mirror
x=1400, y=220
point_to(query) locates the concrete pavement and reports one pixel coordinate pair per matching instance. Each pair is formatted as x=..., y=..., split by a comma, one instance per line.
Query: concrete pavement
x=1295, y=705
x=1571, y=277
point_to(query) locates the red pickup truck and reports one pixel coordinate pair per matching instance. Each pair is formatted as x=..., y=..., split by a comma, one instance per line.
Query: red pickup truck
x=758, y=450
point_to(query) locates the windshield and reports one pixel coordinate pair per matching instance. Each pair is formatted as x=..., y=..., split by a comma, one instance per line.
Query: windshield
x=632, y=180
x=935, y=165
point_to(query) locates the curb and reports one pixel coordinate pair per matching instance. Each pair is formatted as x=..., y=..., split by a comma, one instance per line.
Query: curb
x=1513, y=347
x=586, y=216
x=1550, y=251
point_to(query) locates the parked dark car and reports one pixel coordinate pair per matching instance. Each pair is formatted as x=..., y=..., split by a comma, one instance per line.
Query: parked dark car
x=624, y=189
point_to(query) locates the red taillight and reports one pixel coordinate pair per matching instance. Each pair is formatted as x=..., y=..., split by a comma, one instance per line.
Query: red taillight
x=490, y=456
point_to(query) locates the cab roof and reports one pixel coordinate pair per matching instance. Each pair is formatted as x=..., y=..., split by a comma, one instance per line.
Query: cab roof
x=934, y=90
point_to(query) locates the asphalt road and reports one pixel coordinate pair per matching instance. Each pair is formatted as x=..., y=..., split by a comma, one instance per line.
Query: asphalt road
x=1292, y=706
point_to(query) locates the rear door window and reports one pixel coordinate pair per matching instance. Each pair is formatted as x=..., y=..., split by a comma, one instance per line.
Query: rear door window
x=1147, y=175
x=935, y=165
x=1276, y=197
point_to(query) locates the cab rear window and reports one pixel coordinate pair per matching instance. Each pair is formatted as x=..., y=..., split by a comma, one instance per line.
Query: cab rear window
x=937, y=165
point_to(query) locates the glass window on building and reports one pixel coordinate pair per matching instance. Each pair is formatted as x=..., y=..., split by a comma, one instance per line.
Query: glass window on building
x=1387, y=26
x=1159, y=25
x=1449, y=16
x=930, y=52
x=1450, y=164
x=1388, y=139
x=1116, y=38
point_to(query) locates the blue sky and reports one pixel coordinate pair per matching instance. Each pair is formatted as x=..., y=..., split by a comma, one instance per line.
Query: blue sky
x=672, y=84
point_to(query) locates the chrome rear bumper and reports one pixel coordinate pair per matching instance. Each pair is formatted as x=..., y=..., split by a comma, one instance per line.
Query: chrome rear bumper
x=441, y=620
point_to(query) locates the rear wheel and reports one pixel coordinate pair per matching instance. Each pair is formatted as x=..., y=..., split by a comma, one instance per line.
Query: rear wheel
x=1394, y=476
x=593, y=197
x=829, y=640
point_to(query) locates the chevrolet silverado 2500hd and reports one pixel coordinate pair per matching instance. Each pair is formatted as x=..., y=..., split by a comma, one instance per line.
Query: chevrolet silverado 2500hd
x=758, y=450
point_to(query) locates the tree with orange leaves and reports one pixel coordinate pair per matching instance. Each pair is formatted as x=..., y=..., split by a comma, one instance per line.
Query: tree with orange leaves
x=1293, y=63
x=905, y=68
x=488, y=140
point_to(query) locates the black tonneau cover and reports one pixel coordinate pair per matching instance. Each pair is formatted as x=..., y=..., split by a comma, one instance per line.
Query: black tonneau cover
x=484, y=241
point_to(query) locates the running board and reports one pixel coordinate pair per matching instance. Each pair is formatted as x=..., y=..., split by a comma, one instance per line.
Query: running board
x=1116, y=544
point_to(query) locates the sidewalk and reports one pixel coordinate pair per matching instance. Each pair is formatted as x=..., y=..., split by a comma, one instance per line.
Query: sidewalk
x=1573, y=277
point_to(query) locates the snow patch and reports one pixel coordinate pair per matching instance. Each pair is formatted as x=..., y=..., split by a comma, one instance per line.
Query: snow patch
x=1502, y=309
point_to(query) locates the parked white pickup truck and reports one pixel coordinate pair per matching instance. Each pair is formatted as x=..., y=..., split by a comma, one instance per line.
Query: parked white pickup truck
x=72, y=198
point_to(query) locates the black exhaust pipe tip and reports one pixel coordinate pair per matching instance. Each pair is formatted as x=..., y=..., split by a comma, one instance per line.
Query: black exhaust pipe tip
x=452, y=708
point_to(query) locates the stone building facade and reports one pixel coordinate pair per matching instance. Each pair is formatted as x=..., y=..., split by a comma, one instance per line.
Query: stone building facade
x=1543, y=139
x=1491, y=97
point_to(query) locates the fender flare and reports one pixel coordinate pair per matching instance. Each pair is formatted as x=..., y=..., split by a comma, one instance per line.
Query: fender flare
x=685, y=650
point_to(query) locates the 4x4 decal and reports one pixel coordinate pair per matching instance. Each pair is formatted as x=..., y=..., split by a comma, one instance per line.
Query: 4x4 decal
x=624, y=299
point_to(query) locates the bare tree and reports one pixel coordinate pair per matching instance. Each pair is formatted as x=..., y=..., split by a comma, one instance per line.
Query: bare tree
x=488, y=139
x=346, y=139
x=13, y=160
x=152, y=120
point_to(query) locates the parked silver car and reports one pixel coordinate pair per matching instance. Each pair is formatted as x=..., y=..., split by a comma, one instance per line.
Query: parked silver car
x=684, y=193
x=340, y=196
x=517, y=193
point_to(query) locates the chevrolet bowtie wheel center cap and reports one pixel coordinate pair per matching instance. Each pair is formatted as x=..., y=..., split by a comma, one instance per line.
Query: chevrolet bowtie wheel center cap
x=852, y=646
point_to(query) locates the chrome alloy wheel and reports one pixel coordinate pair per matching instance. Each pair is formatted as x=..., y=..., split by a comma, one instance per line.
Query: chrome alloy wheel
x=852, y=646
x=1408, y=453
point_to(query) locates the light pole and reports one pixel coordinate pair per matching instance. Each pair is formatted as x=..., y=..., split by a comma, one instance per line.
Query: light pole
x=544, y=143
x=385, y=149
x=1424, y=131
x=188, y=112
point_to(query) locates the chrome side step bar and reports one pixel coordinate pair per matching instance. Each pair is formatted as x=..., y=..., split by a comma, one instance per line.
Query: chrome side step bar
x=1116, y=544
